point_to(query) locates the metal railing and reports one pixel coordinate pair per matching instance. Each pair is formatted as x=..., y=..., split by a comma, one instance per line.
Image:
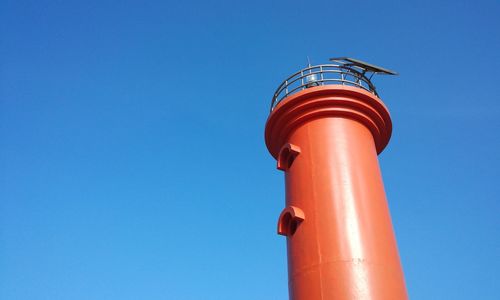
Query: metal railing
x=322, y=75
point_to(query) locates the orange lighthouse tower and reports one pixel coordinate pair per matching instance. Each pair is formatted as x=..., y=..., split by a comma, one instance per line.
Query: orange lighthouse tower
x=326, y=127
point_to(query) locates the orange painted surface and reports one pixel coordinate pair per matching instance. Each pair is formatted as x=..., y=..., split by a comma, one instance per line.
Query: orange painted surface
x=340, y=239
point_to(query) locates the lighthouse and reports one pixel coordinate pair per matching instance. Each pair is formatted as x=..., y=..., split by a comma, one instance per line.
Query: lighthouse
x=326, y=127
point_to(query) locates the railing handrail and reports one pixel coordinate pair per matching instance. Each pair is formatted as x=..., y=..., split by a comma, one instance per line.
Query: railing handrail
x=347, y=75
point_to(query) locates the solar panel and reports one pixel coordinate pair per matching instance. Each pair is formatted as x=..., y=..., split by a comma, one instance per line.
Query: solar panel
x=346, y=61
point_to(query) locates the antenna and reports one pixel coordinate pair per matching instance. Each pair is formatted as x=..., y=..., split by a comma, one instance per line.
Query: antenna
x=308, y=61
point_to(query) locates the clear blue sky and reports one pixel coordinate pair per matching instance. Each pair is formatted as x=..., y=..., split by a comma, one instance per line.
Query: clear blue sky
x=132, y=159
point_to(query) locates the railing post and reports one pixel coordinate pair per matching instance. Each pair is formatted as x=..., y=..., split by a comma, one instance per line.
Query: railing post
x=321, y=74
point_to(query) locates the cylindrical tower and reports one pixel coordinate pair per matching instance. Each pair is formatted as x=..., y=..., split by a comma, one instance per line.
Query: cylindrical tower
x=326, y=127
